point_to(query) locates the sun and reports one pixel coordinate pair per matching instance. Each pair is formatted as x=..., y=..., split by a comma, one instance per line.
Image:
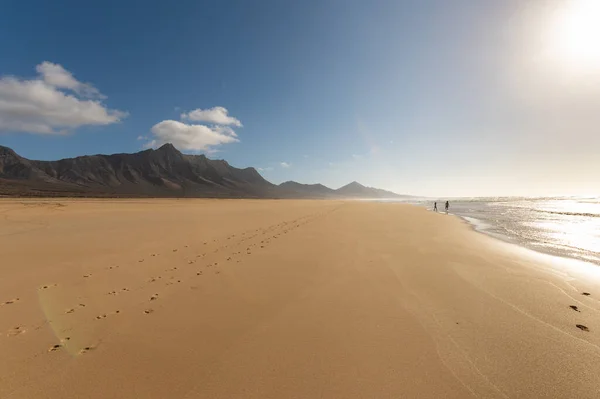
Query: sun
x=574, y=35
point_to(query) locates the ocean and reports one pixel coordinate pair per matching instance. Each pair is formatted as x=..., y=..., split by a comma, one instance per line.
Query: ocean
x=568, y=227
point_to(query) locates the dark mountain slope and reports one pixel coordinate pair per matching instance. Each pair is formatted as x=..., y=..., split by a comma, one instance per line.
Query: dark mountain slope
x=164, y=172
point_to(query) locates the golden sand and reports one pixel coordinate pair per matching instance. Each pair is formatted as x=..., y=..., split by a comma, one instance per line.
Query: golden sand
x=283, y=299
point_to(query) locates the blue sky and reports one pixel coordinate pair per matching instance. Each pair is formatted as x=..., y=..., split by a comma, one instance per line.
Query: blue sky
x=429, y=97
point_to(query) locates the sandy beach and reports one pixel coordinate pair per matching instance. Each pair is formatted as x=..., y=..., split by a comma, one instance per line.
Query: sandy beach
x=283, y=299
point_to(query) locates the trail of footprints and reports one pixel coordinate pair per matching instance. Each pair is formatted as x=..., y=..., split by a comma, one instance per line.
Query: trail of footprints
x=582, y=327
x=175, y=274
x=246, y=242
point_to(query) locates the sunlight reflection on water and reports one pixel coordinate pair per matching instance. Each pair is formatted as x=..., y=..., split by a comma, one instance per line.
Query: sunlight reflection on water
x=566, y=227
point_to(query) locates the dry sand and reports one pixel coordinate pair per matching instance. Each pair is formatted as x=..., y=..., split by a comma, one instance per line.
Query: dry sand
x=283, y=299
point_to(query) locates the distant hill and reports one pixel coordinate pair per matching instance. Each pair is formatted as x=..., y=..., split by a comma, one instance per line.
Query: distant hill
x=357, y=190
x=293, y=189
x=164, y=172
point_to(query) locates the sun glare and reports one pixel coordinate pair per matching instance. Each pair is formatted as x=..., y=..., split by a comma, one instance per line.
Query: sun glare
x=574, y=35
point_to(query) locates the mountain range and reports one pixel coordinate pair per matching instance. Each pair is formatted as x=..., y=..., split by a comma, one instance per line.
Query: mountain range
x=164, y=172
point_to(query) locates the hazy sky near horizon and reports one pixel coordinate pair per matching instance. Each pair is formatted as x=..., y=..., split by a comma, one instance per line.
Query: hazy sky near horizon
x=432, y=97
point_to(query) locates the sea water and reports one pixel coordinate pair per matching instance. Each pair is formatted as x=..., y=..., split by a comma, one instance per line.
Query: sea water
x=568, y=227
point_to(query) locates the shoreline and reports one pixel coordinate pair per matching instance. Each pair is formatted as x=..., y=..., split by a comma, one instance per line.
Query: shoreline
x=482, y=228
x=547, y=259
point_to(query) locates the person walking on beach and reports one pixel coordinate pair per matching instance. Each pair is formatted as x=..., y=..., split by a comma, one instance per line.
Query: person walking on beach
x=447, y=206
x=435, y=206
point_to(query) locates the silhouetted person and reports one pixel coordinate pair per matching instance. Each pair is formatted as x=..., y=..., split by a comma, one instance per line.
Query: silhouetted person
x=435, y=206
x=447, y=206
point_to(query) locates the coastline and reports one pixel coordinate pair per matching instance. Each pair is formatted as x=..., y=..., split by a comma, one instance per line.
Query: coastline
x=271, y=299
x=485, y=228
x=548, y=259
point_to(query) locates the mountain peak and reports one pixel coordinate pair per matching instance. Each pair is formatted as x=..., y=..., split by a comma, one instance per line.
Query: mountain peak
x=357, y=190
x=168, y=147
x=353, y=185
x=7, y=151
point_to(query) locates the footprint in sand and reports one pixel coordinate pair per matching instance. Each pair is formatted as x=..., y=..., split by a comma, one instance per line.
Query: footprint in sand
x=586, y=293
x=86, y=350
x=191, y=261
x=198, y=273
x=174, y=250
x=11, y=301
x=15, y=331
x=87, y=275
x=582, y=327
x=70, y=311
x=575, y=308
x=140, y=261
x=54, y=348
x=154, y=297
x=100, y=317
x=148, y=311
x=152, y=280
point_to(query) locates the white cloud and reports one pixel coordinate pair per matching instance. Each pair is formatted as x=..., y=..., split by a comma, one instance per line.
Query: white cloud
x=191, y=137
x=357, y=157
x=40, y=106
x=285, y=165
x=57, y=76
x=215, y=115
x=197, y=137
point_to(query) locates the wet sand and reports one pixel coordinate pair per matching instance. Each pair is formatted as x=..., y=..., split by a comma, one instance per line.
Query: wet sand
x=283, y=299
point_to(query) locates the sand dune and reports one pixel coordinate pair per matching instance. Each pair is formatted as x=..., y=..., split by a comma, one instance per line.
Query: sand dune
x=283, y=299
